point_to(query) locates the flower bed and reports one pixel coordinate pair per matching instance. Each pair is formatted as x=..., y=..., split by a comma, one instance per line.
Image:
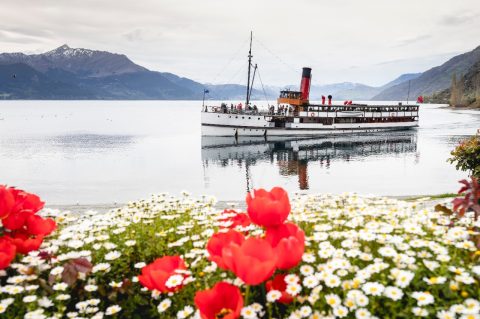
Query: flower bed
x=332, y=256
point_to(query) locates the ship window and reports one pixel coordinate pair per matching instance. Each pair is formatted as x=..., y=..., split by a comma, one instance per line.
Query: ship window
x=259, y=118
x=236, y=117
x=243, y=117
x=218, y=115
x=249, y=117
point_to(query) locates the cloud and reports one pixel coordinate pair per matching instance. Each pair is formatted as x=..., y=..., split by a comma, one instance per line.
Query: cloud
x=14, y=37
x=197, y=39
x=433, y=57
x=411, y=40
x=458, y=19
x=23, y=35
x=27, y=32
x=134, y=36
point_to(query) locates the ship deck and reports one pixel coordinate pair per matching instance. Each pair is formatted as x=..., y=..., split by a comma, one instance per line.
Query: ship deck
x=322, y=110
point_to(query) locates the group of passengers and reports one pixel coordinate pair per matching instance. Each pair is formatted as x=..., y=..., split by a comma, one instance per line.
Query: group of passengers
x=281, y=110
x=238, y=108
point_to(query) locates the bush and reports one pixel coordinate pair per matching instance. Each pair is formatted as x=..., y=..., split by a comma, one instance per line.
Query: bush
x=470, y=200
x=467, y=156
x=362, y=256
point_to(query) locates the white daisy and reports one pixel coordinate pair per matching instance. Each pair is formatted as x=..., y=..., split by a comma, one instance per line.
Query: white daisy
x=112, y=310
x=423, y=298
x=332, y=300
x=273, y=295
x=164, y=305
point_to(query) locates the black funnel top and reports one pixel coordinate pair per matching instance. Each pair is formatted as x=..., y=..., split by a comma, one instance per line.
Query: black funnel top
x=306, y=73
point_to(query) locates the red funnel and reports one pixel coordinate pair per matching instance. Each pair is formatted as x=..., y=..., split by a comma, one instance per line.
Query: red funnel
x=305, y=84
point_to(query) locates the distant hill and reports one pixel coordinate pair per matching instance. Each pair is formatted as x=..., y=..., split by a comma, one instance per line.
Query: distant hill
x=74, y=73
x=68, y=73
x=20, y=81
x=343, y=91
x=471, y=86
x=81, y=62
x=401, y=79
x=466, y=90
x=433, y=80
x=355, y=91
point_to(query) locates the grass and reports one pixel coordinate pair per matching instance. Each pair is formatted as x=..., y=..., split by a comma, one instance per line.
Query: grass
x=431, y=197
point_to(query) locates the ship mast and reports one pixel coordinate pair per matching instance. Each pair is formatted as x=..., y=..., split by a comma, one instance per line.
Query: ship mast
x=249, y=67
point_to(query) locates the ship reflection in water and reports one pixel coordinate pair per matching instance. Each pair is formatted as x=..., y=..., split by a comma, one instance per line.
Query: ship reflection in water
x=294, y=156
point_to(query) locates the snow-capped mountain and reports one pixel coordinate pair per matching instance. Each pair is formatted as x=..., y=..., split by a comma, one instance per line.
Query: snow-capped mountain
x=81, y=62
x=75, y=73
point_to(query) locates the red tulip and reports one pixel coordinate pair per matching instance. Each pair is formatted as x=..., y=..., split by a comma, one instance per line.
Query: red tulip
x=155, y=275
x=253, y=261
x=7, y=201
x=218, y=242
x=16, y=220
x=7, y=252
x=278, y=283
x=37, y=225
x=26, y=201
x=24, y=242
x=288, y=241
x=268, y=209
x=222, y=301
x=238, y=219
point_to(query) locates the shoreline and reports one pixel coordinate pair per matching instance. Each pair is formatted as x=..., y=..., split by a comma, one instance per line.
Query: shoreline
x=104, y=207
x=427, y=200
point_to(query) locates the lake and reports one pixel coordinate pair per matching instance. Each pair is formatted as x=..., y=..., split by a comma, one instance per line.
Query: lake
x=100, y=152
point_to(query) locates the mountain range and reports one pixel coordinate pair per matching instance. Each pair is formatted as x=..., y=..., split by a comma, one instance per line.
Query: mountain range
x=433, y=80
x=357, y=91
x=68, y=73
x=464, y=90
x=74, y=73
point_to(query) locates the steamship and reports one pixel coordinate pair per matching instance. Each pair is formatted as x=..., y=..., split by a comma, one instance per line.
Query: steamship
x=294, y=115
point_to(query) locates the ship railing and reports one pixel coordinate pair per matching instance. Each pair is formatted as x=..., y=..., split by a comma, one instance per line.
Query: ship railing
x=361, y=107
x=317, y=109
x=229, y=110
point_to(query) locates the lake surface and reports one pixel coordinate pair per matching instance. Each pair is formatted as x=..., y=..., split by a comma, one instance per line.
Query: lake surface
x=98, y=152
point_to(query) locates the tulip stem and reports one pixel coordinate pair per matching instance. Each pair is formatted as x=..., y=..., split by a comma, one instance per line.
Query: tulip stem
x=247, y=295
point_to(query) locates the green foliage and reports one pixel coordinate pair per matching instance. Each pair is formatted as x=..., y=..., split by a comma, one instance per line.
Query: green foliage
x=467, y=156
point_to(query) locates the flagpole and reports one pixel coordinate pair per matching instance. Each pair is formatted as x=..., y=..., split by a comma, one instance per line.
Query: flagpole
x=408, y=95
x=203, y=102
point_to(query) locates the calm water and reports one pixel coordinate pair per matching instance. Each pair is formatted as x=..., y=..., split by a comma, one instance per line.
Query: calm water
x=95, y=152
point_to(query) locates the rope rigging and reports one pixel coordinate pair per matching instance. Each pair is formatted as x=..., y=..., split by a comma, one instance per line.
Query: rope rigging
x=263, y=88
x=221, y=90
x=289, y=66
x=230, y=61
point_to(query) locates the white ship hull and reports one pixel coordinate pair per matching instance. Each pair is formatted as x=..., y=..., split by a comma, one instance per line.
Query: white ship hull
x=224, y=124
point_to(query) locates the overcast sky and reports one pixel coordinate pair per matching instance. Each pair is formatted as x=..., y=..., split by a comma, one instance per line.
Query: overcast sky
x=366, y=41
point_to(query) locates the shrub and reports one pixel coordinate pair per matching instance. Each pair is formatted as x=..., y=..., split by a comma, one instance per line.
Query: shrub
x=470, y=200
x=467, y=156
